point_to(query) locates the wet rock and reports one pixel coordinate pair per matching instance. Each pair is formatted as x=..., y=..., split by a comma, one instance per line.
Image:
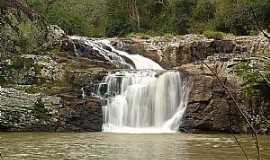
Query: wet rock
x=81, y=115
x=55, y=33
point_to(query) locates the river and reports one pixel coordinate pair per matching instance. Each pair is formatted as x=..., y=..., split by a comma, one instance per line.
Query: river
x=108, y=146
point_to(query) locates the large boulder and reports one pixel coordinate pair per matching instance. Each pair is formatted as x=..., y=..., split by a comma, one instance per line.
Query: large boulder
x=80, y=115
x=21, y=111
x=209, y=108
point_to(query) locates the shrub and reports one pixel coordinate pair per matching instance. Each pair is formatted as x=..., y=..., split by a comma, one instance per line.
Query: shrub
x=118, y=26
x=140, y=35
x=214, y=35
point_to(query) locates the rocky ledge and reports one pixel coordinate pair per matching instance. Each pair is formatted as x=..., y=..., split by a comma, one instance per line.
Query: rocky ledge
x=21, y=111
x=175, y=51
x=209, y=108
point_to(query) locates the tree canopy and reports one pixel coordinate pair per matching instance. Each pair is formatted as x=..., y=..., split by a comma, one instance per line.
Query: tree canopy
x=119, y=17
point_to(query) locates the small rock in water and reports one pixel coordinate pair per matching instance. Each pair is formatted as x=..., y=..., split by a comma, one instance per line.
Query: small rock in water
x=107, y=48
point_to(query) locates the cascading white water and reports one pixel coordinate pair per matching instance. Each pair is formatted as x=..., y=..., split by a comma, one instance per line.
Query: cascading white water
x=144, y=99
x=141, y=63
x=99, y=46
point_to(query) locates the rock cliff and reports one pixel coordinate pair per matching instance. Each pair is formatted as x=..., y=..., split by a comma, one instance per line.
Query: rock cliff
x=209, y=109
x=43, y=86
x=175, y=51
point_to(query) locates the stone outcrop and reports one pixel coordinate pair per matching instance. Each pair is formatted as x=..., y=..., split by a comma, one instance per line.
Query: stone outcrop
x=44, y=93
x=209, y=109
x=40, y=83
x=80, y=115
x=175, y=51
x=21, y=111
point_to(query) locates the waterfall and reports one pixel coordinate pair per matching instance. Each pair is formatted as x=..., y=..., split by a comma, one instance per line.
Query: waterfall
x=142, y=99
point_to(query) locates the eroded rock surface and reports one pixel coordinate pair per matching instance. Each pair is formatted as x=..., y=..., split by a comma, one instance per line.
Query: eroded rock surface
x=41, y=83
x=175, y=51
x=209, y=109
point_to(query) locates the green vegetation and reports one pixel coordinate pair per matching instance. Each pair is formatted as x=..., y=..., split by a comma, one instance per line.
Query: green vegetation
x=81, y=17
x=97, y=18
x=21, y=30
x=255, y=73
x=214, y=35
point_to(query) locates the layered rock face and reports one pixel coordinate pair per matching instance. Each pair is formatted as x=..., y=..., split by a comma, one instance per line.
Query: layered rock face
x=209, y=109
x=175, y=51
x=21, y=111
x=50, y=93
x=43, y=85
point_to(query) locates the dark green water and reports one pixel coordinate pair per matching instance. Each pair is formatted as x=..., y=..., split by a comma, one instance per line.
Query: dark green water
x=106, y=146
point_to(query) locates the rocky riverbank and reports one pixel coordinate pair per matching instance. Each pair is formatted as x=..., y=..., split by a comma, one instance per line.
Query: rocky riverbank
x=43, y=86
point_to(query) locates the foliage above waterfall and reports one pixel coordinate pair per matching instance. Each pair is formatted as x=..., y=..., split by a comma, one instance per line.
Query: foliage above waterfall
x=119, y=17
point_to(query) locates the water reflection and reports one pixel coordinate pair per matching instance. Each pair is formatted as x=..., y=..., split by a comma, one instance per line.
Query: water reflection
x=105, y=146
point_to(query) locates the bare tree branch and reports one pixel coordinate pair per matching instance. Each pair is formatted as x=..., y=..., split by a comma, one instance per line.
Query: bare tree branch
x=229, y=92
x=1, y=156
x=241, y=147
x=238, y=106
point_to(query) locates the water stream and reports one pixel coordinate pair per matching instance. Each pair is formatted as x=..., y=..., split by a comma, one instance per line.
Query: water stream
x=107, y=146
x=145, y=98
